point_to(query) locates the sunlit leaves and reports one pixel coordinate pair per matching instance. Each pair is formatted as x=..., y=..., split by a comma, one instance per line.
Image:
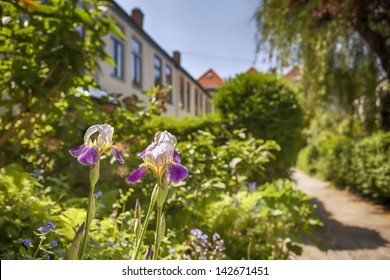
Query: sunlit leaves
x=338, y=66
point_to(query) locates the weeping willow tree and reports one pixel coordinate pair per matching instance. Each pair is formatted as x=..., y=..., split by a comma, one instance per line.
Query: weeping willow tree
x=342, y=47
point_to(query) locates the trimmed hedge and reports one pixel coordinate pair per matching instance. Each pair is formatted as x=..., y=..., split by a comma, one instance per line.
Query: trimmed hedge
x=362, y=165
x=183, y=127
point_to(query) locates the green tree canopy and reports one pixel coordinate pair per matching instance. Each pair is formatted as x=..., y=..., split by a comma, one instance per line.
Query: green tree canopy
x=340, y=45
x=48, y=51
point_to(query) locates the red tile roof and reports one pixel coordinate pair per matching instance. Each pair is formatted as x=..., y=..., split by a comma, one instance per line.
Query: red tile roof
x=251, y=70
x=293, y=74
x=210, y=80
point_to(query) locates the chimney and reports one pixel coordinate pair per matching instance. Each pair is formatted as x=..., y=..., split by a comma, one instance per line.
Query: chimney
x=137, y=16
x=176, y=57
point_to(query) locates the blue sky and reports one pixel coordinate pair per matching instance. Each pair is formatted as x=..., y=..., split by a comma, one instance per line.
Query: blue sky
x=217, y=34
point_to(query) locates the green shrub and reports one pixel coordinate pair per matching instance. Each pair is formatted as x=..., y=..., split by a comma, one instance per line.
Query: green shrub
x=183, y=127
x=305, y=160
x=25, y=204
x=266, y=223
x=221, y=195
x=268, y=109
x=369, y=166
x=360, y=164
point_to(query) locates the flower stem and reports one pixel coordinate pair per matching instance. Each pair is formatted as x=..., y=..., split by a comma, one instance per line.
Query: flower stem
x=93, y=177
x=87, y=223
x=157, y=237
x=39, y=247
x=143, y=231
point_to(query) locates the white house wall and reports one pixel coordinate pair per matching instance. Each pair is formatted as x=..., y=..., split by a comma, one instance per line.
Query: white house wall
x=110, y=83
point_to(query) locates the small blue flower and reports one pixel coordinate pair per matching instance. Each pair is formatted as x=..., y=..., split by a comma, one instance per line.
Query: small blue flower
x=26, y=242
x=42, y=229
x=99, y=225
x=171, y=251
x=204, y=237
x=252, y=186
x=196, y=232
x=54, y=243
x=110, y=243
x=98, y=194
x=216, y=236
x=51, y=225
x=102, y=206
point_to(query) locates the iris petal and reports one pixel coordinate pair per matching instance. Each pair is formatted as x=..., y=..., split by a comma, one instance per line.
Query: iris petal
x=142, y=154
x=176, y=156
x=90, y=155
x=117, y=155
x=91, y=130
x=77, y=151
x=138, y=174
x=177, y=172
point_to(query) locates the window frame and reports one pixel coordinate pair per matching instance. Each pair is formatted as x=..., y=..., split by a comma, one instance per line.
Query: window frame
x=157, y=69
x=117, y=54
x=136, y=66
x=169, y=82
x=181, y=92
x=188, y=97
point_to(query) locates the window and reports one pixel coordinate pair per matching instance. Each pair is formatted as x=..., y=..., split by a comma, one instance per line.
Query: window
x=201, y=103
x=188, y=97
x=168, y=82
x=196, y=102
x=208, y=106
x=181, y=92
x=157, y=71
x=137, y=62
x=117, y=56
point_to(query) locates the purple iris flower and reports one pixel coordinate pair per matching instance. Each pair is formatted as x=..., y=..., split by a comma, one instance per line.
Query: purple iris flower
x=89, y=152
x=161, y=158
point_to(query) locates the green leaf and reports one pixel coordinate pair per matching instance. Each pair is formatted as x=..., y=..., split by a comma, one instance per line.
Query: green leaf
x=234, y=162
x=110, y=61
x=277, y=212
x=46, y=9
x=83, y=15
x=219, y=185
x=264, y=212
x=114, y=29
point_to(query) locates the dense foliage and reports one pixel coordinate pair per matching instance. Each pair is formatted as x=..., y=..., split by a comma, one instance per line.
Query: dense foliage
x=220, y=211
x=48, y=51
x=185, y=126
x=340, y=48
x=268, y=109
x=360, y=164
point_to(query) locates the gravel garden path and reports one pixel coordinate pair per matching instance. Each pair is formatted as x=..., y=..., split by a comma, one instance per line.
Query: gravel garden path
x=353, y=228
